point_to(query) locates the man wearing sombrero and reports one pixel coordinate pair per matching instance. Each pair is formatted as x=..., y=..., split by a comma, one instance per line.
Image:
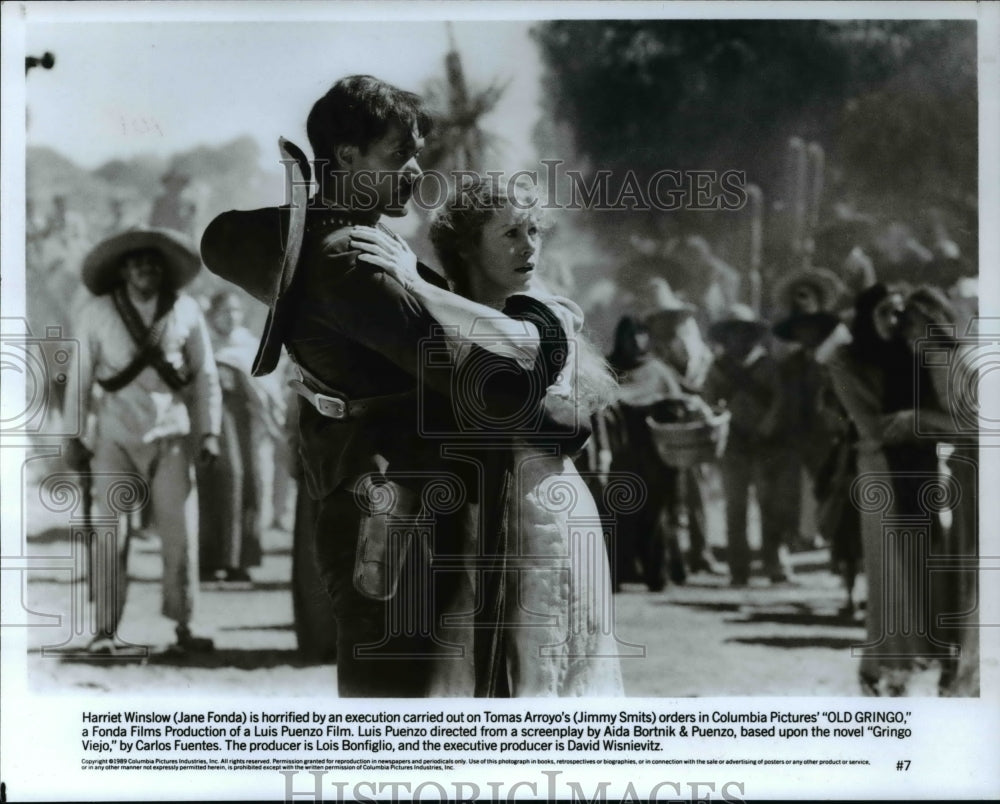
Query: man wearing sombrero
x=745, y=376
x=146, y=348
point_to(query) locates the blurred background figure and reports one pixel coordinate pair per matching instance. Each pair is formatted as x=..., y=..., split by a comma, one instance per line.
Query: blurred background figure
x=675, y=335
x=805, y=302
x=645, y=542
x=823, y=441
x=930, y=320
x=678, y=341
x=234, y=490
x=858, y=271
x=666, y=537
x=745, y=378
x=172, y=208
x=875, y=378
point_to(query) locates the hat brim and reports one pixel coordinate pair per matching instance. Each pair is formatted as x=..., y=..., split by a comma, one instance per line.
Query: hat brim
x=827, y=285
x=668, y=314
x=101, y=267
x=735, y=327
x=809, y=329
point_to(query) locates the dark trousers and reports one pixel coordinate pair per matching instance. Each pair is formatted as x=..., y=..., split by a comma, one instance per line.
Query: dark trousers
x=768, y=470
x=385, y=649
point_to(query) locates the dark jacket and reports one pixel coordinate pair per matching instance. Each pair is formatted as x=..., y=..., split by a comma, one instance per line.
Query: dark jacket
x=360, y=332
x=753, y=395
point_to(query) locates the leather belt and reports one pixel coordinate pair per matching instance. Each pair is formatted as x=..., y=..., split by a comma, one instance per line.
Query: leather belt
x=335, y=405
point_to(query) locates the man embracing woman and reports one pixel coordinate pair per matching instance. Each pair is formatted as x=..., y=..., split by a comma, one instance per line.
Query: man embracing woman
x=478, y=381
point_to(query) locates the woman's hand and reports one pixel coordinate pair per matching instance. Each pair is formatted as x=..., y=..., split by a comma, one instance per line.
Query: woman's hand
x=387, y=252
x=698, y=406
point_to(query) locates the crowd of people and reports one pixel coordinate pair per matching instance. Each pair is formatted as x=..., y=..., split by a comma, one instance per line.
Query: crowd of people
x=833, y=407
x=443, y=421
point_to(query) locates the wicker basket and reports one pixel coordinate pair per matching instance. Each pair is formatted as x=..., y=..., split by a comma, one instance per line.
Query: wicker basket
x=685, y=444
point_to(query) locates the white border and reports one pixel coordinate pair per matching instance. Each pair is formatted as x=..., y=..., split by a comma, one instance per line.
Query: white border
x=959, y=739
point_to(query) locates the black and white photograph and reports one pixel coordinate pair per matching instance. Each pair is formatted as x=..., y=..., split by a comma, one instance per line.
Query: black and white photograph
x=499, y=400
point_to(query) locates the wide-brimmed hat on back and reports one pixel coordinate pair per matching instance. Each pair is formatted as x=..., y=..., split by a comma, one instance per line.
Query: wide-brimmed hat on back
x=258, y=250
x=822, y=282
x=739, y=322
x=808, y=329
x=102, y=266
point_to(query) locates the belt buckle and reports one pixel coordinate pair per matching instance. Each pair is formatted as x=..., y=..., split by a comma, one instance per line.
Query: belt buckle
x=331, y=406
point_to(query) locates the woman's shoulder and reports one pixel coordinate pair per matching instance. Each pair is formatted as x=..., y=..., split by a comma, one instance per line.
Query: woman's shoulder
x=547, y=306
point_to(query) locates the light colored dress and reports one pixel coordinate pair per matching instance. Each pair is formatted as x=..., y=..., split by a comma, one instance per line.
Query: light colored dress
x=559, y=595
x=558, y=637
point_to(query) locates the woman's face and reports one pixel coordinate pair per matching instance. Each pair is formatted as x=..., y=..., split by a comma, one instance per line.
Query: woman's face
x=806, y=300
x=641, y=342
x=227, y=316
x=886, y=315
x=508, y=252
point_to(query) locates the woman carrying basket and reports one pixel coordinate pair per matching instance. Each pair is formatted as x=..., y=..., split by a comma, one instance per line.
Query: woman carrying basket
x=650, y=390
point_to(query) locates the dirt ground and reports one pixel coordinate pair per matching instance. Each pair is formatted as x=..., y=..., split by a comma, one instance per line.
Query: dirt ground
x=700, y=639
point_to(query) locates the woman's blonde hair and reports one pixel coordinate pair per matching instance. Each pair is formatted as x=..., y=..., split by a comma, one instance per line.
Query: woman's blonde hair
x=457, y=227
x=456, y=234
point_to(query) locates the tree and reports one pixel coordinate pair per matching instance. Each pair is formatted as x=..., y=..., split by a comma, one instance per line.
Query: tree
x=893, y=102
x=460, y=142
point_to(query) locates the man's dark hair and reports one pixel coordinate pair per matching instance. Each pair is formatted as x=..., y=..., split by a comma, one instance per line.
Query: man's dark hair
x=358, y=110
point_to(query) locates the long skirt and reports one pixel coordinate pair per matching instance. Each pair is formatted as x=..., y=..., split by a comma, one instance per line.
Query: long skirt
x=558, y=629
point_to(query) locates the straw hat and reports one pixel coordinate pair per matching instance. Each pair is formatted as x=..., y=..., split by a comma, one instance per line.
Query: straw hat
x=102, y=265
x=822, y=282
x=659, y=304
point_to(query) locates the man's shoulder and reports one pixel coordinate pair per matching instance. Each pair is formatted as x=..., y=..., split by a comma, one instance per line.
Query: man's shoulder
x=92, y=311
x=330, y=232
x=97, y=304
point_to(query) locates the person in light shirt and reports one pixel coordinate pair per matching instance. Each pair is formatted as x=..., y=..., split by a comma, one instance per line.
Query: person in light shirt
x=145, y=346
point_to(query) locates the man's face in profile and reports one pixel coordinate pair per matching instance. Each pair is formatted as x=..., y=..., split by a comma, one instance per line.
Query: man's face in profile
x=382, y=177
